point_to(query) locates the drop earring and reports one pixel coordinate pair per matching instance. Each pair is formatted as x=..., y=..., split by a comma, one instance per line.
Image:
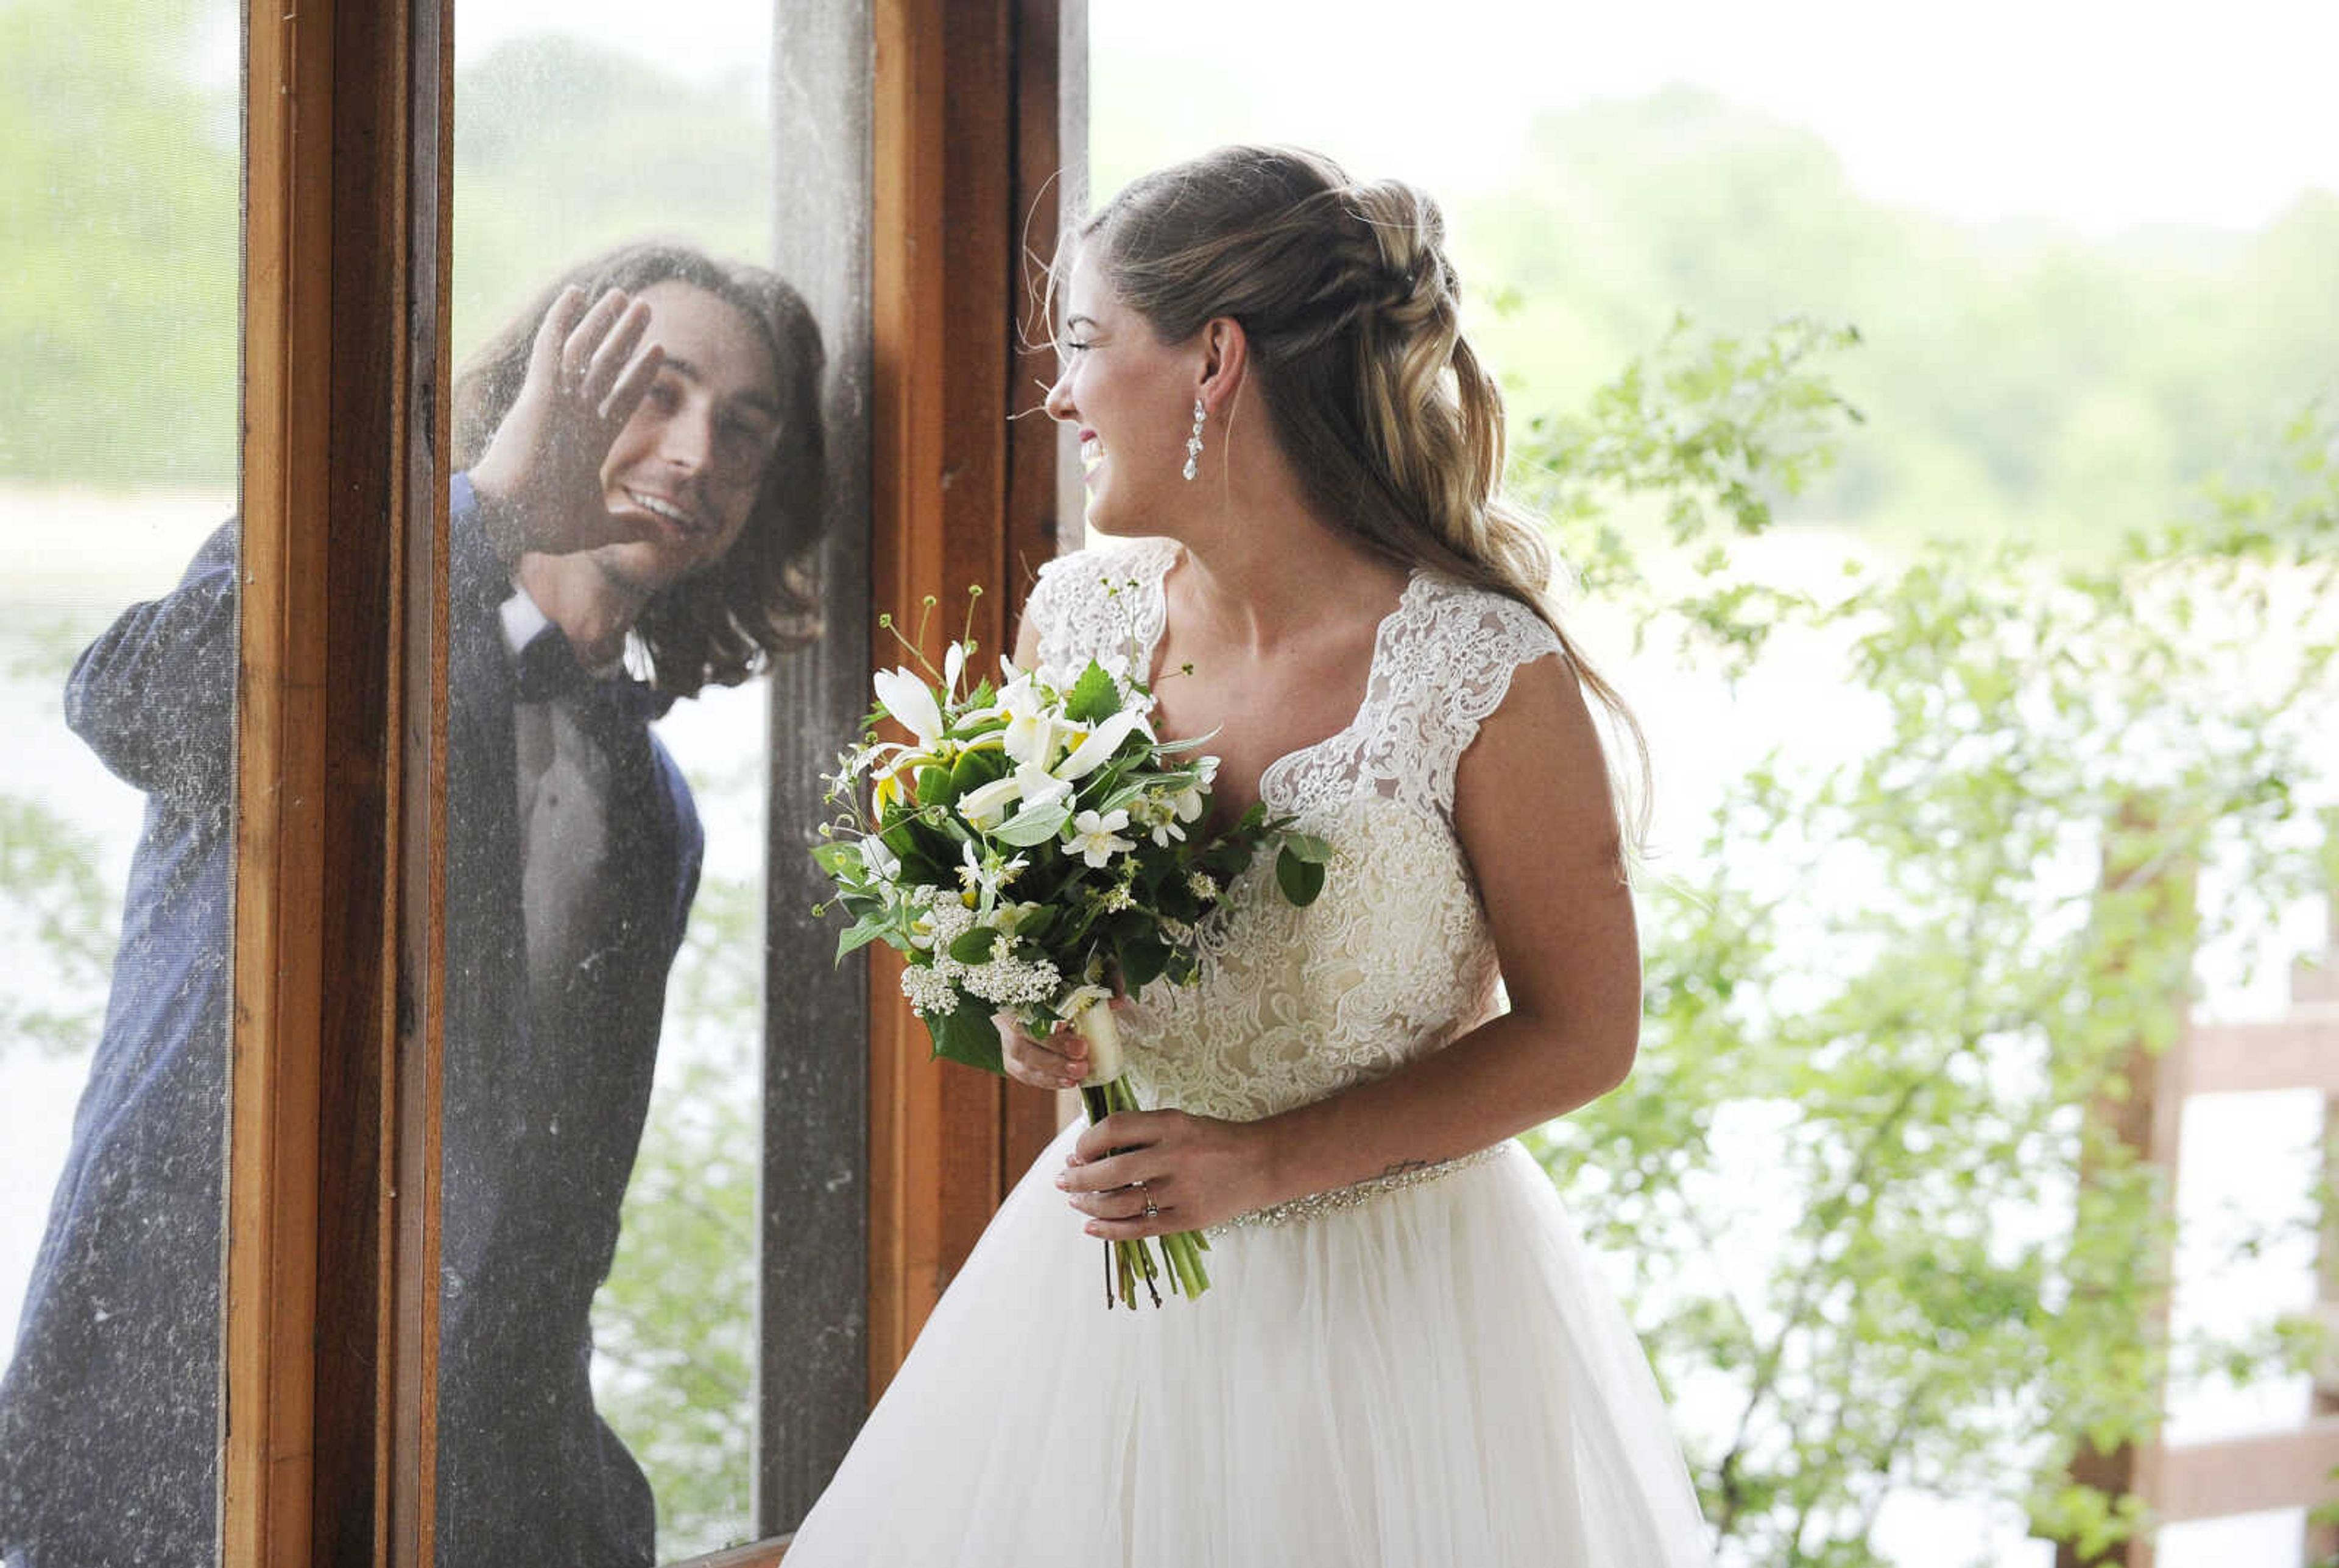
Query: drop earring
x=1194, y=441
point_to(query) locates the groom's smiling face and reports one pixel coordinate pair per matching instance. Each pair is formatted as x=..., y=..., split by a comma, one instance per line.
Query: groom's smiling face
x=691, y=460
x=1130, y=396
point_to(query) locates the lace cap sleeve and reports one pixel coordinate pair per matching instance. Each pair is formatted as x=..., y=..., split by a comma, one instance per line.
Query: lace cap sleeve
x=1456, y=671
x=1093, y=602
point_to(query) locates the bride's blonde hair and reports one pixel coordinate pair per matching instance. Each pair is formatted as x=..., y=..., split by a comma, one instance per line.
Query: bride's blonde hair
x=1351, y=309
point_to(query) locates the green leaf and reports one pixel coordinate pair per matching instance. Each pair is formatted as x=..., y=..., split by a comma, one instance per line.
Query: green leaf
x=1093, y=697
x=838, y=860
x=859, y=935
x=1033, y=827
x=1301, y=878
x=1141, y=959
x=1121, y=796
x=1035, y=926
x=974, y=946
x=974, y=769
x=966, y=1034
x=1307, y=847
x=934, y=786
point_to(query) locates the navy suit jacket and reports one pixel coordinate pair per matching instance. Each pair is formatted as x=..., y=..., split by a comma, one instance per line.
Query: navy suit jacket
x=108, y=1415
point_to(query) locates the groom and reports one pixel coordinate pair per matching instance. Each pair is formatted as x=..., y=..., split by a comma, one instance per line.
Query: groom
x=644, y=474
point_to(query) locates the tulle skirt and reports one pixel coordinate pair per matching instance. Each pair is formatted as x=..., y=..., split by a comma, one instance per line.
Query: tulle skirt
x=1434, y=1378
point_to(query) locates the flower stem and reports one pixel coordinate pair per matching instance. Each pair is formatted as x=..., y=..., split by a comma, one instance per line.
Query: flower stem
x=1129, y=1262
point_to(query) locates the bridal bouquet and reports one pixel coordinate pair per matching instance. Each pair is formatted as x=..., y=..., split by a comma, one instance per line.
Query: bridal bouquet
x=1032, y=849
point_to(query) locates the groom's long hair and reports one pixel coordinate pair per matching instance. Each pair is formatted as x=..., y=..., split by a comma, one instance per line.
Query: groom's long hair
x=721, y=625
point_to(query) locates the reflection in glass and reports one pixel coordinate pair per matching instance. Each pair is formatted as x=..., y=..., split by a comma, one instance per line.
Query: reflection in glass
x=641, y=474
x=119, y=189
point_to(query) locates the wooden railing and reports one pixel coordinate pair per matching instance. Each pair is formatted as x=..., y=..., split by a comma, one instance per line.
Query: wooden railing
x=2175, y=1482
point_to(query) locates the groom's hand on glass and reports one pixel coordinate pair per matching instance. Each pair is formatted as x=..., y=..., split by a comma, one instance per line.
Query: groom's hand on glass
x=540, y=480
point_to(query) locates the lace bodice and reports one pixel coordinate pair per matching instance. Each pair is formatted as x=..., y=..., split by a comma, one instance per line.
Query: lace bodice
x=1394, y=961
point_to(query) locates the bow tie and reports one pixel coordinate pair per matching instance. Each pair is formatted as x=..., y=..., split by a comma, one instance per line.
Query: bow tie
x=546, y=670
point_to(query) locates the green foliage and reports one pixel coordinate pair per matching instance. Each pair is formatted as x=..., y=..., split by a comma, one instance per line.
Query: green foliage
x=119, y=192
x=1895, y=978
x=562, y=148
x=1299, y=867
x=2028, y=382
x=58, y=905
x=1706, y=431
x=675, y=1325
x=1094, y=697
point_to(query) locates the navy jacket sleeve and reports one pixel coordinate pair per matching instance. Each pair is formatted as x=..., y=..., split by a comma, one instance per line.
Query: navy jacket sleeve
x=154, y=696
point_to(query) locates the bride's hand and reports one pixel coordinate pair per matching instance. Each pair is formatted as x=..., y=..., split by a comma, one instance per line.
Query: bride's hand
x=1195, y=1170
x=1058, y=1061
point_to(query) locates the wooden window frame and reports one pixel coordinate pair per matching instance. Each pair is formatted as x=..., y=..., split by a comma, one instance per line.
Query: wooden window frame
x=970, y=111
x=344, y=301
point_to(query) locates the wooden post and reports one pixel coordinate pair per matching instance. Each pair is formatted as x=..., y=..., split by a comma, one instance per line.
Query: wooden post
x=2314, y=998
x=333, y=306
x=2148, y=906
x=958, y=158
x=2265, y=1471
x=1047, y=491
x=812, y=1203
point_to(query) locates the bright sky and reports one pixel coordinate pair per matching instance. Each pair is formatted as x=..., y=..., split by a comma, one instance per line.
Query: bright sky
x=2095, y=113
x=2098, y=116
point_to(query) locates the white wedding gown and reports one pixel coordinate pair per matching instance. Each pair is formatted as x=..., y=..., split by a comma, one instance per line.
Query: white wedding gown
x=1423, y=1373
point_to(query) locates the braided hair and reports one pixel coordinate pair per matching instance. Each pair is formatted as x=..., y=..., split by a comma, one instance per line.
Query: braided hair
x=1352, y=312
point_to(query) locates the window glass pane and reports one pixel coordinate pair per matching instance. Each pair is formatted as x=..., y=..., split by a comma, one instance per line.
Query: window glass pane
x=617, y=577
x=119, y=192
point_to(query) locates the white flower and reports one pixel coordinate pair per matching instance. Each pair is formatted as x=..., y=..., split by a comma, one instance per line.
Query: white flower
x=953, y=665
x=1189, y=802
x=985, y=873
x=1008, y=917
x=1095, y=839
x=1081, y=999
x=908, y=699
x=930, y=991
x=882, y=862
x=1034, y=730
x=1041, y=788
x=1103, y=741
x=1201, y=885
x=943, y=922
x=1156, y=812
x=986, y=807
x=1011, y=981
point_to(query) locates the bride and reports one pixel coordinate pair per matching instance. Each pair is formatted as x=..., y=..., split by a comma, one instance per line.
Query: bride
x=1405, y=1359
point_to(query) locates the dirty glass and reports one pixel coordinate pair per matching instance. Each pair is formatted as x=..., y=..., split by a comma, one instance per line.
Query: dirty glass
x=635, y=452
x=119, y=192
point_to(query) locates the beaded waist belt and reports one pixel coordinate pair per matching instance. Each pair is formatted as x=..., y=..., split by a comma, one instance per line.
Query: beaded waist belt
x=1316, y=1205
